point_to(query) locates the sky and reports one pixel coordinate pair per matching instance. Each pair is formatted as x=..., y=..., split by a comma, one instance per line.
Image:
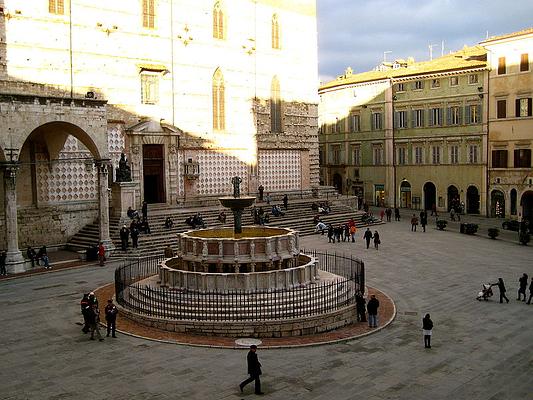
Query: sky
x=356, y=33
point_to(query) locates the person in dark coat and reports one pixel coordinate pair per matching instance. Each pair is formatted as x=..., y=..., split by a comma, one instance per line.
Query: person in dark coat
x=254, y=369
x=530, y=292
x=396, y=214
x=388, y=213
x=522, y=282
x=501, y=286
x=423, y=219
x=94, y=319
x=427, y=327
x=360, y=306
x=372, y=309
x=124, y=237
x=32, y=256
x=285, y=202
x=367, y=236
x=260, y=189
x=3, y=257
x=111, y=312
x=85, y=312
x=414, y=223
x=145, y=210
x=377, y=241
x=134, y=237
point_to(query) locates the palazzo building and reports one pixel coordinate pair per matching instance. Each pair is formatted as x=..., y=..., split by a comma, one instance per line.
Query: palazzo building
x=511, y=124
x=409, y=134
x=193, y=92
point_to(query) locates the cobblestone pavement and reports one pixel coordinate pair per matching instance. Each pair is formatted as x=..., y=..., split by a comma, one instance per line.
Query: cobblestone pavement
x=481, y=350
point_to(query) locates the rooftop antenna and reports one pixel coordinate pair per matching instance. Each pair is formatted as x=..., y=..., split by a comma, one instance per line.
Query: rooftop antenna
x=385, y=55
x=431, y=51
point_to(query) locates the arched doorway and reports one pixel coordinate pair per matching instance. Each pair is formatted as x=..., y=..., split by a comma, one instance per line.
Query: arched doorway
x=527, y=206
x=497, y=204
x=405, y=194
x=337, y=182
x=513, y=201
x=454, y=201
x=472, y=200
x=430, y=196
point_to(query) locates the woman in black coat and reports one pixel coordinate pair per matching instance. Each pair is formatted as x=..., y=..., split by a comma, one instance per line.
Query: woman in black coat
x=427, y=327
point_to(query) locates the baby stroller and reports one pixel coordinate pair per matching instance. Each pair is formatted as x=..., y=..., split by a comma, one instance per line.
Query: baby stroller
x=485, y=292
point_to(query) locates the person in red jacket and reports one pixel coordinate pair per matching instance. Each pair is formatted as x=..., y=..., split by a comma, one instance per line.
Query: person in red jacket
x=101, y=254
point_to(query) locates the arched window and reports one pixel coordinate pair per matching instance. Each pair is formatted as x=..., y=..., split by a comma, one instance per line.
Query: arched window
x=275, y=32
x=219, y=117
x=275, y=106
x=218, y=22
x=513, y=201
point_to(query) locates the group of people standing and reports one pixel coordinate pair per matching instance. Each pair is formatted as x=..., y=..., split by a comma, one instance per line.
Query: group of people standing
x=91, y=316
x=522, y=287
x=423, y=221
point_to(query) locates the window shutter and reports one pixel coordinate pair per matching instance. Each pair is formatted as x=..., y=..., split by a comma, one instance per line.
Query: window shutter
x=529, y=107
x=449, y=116
x=459, y=115
x=467, y=114
x=60, y=7
x=52, y=6
x=431, y=122
x=479, y=113
x=413, y=119
x=372, y=125
x=422, y=118
x=517, y=107
x=397, y=119
x=441, y=110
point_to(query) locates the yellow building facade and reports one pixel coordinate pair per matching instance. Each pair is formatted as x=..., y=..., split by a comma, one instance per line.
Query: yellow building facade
x=409, y=134
x=511, y=125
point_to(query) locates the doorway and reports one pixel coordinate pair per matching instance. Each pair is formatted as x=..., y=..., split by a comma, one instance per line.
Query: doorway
x=405, y=194
x=527, y=206
x=454, y=202
x=337, y=182
x=472, y=200
x=497, y=204
x=430, y=196
x=154, y=173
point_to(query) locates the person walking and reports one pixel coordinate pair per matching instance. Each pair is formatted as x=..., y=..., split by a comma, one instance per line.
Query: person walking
x=427, y=327
x=372, y=309
x=254, y=369
x=3, y=257
x=522, y=282
x=423, y=219
x=111, y=312
x=388, y=213
x=94, y=319
x=331, y=237
x=501, y=286
x=396, y=214
x=360, y=306
x=101, y=254
x=260, y=189
x=367, y=236
x=285, y=202
x=414, y=223
x=268, y=198
x=85, y=312
x=381, y=214
x=530, y=291
x=353, y=230
x=377, y=241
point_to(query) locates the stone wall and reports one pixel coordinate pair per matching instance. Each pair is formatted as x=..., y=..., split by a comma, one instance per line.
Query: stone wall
x=51, y=225
x=261, y=329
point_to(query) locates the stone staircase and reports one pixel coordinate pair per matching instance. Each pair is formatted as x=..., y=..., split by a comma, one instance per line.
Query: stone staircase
x=299, y=216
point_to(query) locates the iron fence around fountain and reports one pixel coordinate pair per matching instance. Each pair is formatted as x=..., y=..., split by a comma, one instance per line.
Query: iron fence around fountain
x=314, y=299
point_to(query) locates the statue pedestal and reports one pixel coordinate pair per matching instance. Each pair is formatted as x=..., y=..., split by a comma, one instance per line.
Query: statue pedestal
x=124, y=195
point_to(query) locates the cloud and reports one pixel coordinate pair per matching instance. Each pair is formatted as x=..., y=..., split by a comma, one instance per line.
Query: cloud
x=356, y=32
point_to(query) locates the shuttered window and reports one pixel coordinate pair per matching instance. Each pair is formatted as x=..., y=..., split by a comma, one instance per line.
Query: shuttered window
x=501, y=109
x=523, y=107
x=499, y=158
x=502, y=69
x=56, y=7
x=524, y=62
x=148, y=14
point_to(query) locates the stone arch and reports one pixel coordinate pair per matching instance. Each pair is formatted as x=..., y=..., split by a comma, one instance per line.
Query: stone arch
x=497, y=203
x=526, y=201
x=453, y=197
x=405, y=194
x=513, y=199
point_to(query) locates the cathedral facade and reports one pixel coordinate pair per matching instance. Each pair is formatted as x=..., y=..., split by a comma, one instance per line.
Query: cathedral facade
x=192, y=92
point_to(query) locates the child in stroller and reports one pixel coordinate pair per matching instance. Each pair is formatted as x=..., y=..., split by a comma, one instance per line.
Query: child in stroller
x=485, y=292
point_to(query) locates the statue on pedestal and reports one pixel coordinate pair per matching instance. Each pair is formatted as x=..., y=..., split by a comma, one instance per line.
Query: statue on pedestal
x=123, y=172
x=236, y=182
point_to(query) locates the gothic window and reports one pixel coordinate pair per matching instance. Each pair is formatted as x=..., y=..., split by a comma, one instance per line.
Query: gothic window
x=275, y=106
x=148, y=14
x=219, y=118
x=56, y=7
x=218, y=22
x=275, y=32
